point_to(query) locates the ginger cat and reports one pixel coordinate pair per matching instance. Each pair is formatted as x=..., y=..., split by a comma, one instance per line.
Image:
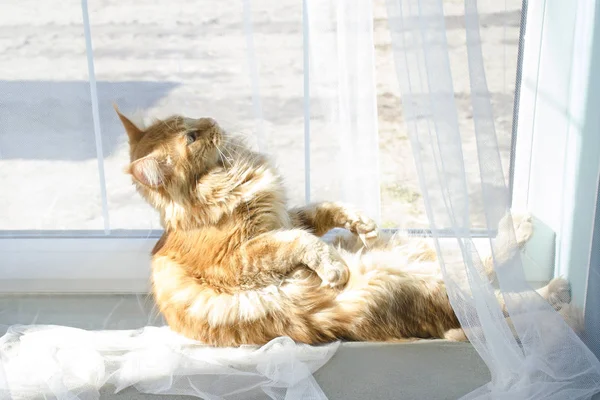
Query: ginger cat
x=236, y=266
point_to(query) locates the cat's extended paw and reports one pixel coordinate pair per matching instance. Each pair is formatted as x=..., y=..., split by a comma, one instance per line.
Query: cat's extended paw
x=361, y=225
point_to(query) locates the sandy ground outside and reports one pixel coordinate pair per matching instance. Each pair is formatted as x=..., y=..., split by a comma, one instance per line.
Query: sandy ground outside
x=187, y=56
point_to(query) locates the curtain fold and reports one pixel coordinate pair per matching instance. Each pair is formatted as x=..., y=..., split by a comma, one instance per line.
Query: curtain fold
x=358, y=144
x=343, y=100
x=536, y=355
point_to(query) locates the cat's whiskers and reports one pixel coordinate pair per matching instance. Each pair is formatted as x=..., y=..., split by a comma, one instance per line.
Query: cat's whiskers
x=232, y=154
x=223, y=156
x=229, y=152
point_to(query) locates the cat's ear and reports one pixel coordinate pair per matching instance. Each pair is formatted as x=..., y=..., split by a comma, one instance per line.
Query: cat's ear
x=149, y=171
x=134, y=133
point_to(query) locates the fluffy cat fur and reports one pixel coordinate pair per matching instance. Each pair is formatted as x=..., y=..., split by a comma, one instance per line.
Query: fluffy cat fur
x=236, y=266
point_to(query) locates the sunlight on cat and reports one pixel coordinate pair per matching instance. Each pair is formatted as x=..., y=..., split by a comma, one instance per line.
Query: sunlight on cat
x=236, y=266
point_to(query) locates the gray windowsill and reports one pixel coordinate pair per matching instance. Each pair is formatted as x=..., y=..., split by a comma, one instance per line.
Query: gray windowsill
x=432, y=370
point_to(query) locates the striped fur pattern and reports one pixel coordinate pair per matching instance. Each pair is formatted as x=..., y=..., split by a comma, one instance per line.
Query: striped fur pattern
x=236, y=266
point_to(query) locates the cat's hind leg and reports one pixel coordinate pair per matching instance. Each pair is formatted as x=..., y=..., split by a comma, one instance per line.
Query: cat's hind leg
x=505, y=245
x=557, y=293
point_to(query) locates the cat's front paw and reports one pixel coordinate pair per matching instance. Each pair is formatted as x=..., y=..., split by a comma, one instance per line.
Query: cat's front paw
x=360, y=224
x=333, y=271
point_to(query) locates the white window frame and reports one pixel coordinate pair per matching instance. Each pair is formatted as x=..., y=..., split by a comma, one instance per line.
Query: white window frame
x=592, y=299
x=75, y=264
x=557, y=154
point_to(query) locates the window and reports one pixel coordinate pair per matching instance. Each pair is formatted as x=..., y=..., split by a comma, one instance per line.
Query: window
x=62, y=149
x=71, y=222
x=401, y=199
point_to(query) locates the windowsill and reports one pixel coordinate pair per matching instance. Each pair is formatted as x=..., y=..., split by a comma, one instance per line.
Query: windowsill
x=432, y=369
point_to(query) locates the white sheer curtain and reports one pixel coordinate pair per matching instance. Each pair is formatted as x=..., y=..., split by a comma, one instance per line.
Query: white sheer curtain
x=546, y=359
x=297, y=77
x=343, y=98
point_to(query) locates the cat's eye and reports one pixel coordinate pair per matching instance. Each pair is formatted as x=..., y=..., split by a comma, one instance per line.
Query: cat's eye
x=191, y=136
